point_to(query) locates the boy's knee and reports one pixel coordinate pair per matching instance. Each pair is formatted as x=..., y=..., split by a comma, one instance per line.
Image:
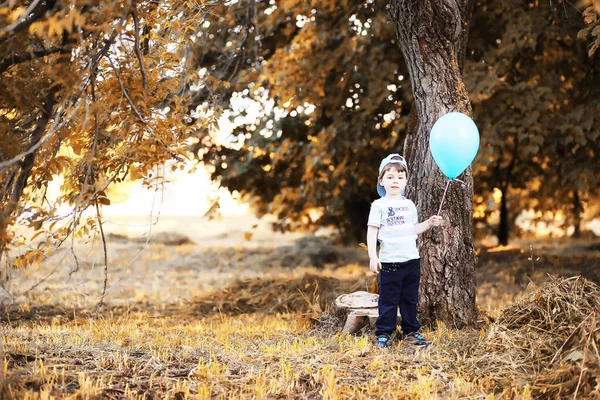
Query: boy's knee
x=411, y=301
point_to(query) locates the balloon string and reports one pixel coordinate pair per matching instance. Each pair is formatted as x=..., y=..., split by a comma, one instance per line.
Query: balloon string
x=444, y=196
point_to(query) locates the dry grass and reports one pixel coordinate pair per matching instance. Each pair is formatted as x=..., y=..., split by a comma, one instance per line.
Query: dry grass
x=265, y=336
x=247, y=356
x=550, y=338
x=311, y=293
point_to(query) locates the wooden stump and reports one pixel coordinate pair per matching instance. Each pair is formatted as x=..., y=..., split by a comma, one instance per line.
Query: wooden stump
x=357, y=310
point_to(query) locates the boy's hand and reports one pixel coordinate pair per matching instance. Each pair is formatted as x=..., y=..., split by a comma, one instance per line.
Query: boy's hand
x=436, y=220
x=375, y=265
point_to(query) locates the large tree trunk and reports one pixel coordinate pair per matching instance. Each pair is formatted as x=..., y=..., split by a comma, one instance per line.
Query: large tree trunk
x=357, y=211
x=503, y=227
x=432, y=35
x=577, y=211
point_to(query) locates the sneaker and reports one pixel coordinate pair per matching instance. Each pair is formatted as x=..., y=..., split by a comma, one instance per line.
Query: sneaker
x=417, y=339
x=382, y=341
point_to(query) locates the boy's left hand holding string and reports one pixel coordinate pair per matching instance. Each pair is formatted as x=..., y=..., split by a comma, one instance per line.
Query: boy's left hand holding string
x=435, y=220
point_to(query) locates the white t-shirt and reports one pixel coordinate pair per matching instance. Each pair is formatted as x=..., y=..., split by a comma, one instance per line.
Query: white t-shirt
x=397, y=236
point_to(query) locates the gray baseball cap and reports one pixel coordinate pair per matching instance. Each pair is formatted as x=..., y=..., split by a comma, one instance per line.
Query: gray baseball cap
x=392, y=158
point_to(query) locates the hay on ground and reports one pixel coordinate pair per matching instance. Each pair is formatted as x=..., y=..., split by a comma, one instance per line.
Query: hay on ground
x=310, y=294
x=549, y=340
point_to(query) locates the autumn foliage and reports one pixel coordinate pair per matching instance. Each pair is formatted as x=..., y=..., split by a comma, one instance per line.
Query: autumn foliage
x=338, y=99
x=96, y=92
x=93, y=92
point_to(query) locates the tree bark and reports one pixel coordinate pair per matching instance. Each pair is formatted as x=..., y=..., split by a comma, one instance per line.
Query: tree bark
x=357, y=211
x=432, y=36
x=503, y=228
x=577, y=210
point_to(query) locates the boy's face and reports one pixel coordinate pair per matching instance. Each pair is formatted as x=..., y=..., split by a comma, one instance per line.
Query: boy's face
x=393, y=181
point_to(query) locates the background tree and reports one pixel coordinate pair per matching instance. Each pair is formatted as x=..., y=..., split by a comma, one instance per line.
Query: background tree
x=342, y=65
x=305, y=158
x=335, y=95
x=313, y=64
x=93, y=92
x=537, y=112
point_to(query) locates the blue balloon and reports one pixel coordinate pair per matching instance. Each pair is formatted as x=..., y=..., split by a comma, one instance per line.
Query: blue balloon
x=454, y=142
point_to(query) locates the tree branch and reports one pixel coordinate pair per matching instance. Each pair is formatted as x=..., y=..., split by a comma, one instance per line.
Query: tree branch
x=31, y=14
x=88, y=172
x=124, y=90
x=27, y=163
x=138, y=52
x=23, y=18
x=92, y=65
x=17, y=59
x=26, y=166
x=42, y=281
x=105, y=253
x=8, y=183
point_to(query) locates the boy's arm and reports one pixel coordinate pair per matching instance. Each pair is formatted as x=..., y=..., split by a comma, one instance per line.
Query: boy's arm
x=374, y=264
x=421, y=227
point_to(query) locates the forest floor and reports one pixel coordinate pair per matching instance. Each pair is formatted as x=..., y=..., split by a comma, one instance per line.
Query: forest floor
x=195, y=321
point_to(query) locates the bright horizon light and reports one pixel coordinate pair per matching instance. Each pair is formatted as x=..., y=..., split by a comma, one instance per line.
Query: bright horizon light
x=184, y=194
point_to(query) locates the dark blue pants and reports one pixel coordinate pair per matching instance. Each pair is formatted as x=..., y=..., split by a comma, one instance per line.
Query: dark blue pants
x=398, y=287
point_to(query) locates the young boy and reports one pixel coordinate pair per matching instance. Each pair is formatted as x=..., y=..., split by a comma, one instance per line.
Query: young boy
x=393, y=222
